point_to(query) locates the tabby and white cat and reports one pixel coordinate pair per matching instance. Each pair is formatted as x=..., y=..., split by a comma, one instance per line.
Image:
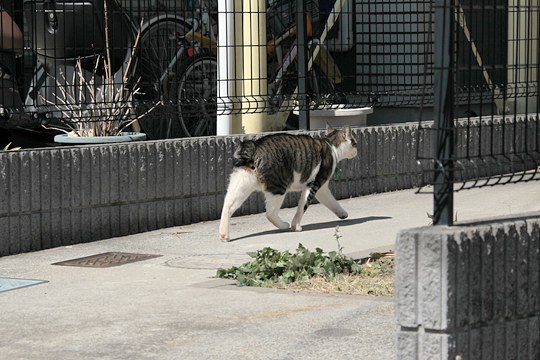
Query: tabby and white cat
x=279, y=163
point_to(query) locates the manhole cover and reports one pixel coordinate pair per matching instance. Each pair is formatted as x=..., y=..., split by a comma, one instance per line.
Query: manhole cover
x=108, y=259
x=209, y=261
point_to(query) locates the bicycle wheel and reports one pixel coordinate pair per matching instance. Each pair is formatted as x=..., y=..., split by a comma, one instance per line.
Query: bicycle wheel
x=196, y=95
x=158, y=46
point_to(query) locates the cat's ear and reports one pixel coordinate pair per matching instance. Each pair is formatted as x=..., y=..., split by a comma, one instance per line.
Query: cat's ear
x=329, y=129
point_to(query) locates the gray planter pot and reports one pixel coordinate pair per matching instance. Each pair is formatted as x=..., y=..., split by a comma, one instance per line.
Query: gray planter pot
x=79, y=140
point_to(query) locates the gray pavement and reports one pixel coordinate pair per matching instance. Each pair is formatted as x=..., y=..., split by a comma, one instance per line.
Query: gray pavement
x=172, y=307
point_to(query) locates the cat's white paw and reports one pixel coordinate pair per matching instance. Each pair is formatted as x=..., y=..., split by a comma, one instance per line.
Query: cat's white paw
x=283, y=225
x=296, y=227
x=224, y=237
x=342, y=215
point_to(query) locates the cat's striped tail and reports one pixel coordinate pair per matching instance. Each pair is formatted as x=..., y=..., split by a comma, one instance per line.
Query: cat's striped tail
x=243, y=156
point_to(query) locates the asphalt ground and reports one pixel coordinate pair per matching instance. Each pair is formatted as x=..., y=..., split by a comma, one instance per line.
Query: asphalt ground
x=172, y=306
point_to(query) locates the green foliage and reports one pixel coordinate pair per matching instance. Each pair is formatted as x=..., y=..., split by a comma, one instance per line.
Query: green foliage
x=271, y=266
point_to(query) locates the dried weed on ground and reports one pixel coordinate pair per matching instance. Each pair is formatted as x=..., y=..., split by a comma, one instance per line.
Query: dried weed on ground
x=376, y=278
x=316, y=271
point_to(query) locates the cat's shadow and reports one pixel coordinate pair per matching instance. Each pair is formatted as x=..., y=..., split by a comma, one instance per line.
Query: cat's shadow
x=319, y=226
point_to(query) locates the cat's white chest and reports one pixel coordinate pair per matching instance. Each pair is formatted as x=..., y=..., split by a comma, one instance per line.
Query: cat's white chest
x=297, y=185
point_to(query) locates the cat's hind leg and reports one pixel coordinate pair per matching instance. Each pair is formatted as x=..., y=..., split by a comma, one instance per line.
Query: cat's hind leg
x=326, y=198
x=273, y=204
x=242, y=183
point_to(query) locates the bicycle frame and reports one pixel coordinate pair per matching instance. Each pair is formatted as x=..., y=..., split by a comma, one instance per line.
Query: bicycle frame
x=315, y=46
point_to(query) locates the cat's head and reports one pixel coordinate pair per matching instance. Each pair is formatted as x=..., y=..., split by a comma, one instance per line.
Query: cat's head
x=343, y=140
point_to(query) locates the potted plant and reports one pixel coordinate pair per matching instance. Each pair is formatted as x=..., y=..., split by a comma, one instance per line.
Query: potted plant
x=96, y=108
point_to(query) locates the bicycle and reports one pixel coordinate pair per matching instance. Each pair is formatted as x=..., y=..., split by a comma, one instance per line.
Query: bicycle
x=323, y=73
x=59, y=41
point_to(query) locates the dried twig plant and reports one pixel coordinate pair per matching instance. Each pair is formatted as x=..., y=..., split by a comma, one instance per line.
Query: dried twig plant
x=97, y=105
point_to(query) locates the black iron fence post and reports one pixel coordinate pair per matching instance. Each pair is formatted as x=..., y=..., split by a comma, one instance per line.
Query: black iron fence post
x=443, y=200
x=302, y=45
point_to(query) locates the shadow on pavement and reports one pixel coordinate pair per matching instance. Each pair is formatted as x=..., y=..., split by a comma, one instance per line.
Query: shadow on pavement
x=319, y=226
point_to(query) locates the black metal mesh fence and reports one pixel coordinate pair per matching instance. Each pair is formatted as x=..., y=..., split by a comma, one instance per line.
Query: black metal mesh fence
x=177, y=68
x=102, y=66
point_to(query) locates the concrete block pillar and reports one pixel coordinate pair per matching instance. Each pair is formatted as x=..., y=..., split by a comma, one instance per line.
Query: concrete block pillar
x=469, y=291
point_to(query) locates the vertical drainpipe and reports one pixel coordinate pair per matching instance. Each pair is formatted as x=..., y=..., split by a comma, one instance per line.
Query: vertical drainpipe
x=252, y=65
x=226, y=55
x=522, y=53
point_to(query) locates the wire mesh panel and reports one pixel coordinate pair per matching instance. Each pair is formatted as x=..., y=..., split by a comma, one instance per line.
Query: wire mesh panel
x=155, y=64
x=394, y=48
x=485, y=95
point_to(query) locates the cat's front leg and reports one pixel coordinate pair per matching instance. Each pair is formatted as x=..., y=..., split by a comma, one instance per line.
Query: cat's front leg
x=326, y=198
x=300, y=210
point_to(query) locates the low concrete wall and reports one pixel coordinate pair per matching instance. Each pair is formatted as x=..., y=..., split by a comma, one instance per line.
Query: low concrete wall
x=67, y=195
x=470, y=291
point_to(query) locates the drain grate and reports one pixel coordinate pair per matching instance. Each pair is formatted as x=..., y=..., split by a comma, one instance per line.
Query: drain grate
x=105, y=260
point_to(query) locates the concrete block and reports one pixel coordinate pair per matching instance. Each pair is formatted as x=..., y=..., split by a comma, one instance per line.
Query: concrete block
x=142, y=172
x=4, y=185
x=187, y=169
x=523, y=270
x=167, y=152
x=124, y=179
x=105, y=222
x=5, y=248
x=75, y=177
x=114, y=175
x=522, y=339
x=14, y=240
x=69, y=175
x=434, y=303
x=487, y=283
x=487, y=346
x=499, y=274
x=84, y=186
x=372, y=160
x=195, y=179
x=151, y=171
x=95, y=176
x=459, y=259
x=510, y=340
x=56, y=228
x=45, y=230
x=104, y=175
x=77, y=224
x=95, y=223
x=510, y=269
x=436, y=346
x=533, y=335
x=178, y=170
x=406, y=279
x=14, y=190
x=407, y=345
x=474, y=340
x=475, y=275
x=35, y=232
x=26, y=174
x=533, y=228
